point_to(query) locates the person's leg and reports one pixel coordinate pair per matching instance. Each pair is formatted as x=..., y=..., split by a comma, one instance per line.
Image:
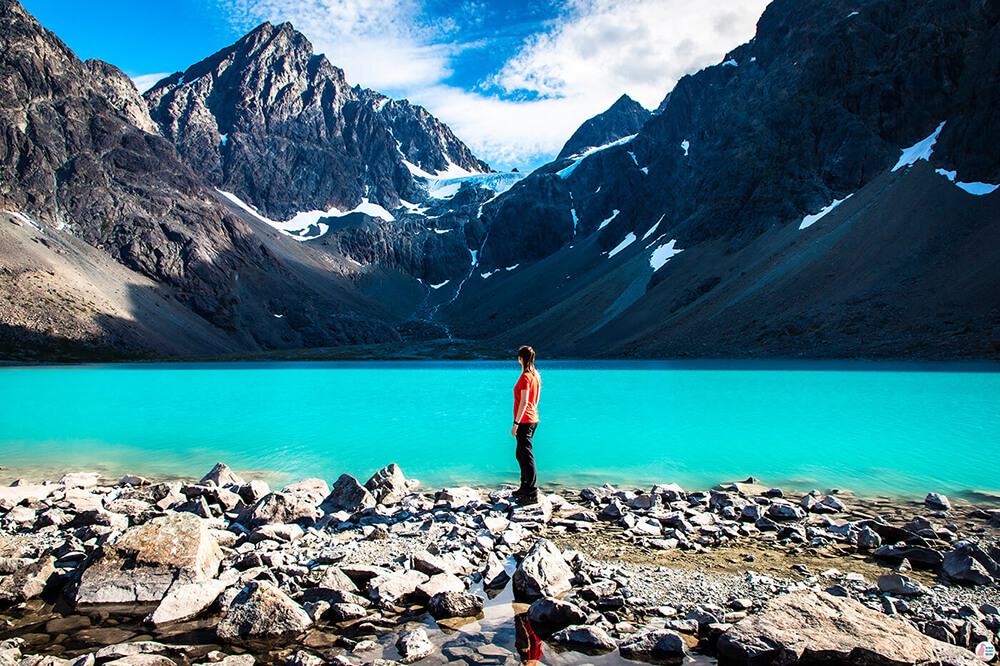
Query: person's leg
x=526, y=459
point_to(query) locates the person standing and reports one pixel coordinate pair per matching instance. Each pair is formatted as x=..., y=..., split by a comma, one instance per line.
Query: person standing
x=526, y=392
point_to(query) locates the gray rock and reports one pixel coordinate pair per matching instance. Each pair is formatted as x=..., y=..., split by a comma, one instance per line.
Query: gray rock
x=915, y=554
x=494, y=574
x=805, y=626
x=661, y=645
x=900, y=584
x=705, y=614
x=455, y=604
x=459, y=497
x=392, y=586
x=222, y=475
x=148, y=559
x=310, y=490
x=442, y=582
x=80, y=479
x=262, y=611
x=277, y=507
x=142, y=660
x=785, y=511
x=868, y=539
x=253, y=491
x=969, y=564
x=345, y=612
x=414, y=645
x=937, y=502
x=552, y=614
x=586, y=639
x=542, y=572
x=133, y=649
x=184, y=602
x=388, y=485
x=281, y=532
x=335, y=579
x=28, y=581
x=539, y=512
x=348, y=495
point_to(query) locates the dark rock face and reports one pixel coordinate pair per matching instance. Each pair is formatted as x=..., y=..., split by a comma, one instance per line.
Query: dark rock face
x=81, y=154
x=815, y=108
x=625, y=118
x=278, y=125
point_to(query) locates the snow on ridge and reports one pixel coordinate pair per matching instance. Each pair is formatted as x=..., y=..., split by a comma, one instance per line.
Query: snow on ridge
x=663, y=254
x=580, y=157
x=628, y=240
x=976, y=189
x=653, y=228
x=302, y=224
x=446, y=184
x=731, y=63
x=606, y=222
x=921, y=150
x=23, y=218
x=810, y=220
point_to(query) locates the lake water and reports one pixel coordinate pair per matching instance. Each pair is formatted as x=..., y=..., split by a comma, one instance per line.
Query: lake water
x=872, y=428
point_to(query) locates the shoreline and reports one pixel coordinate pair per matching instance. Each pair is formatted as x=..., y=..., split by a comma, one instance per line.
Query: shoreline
x=361, y=565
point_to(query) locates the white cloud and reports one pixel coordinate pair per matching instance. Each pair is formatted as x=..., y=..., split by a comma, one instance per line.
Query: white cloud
x=591, y=54
x=641, y=47
x=146, y=81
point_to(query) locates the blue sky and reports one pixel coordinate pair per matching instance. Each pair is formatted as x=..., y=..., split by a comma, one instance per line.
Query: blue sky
x=513, y=78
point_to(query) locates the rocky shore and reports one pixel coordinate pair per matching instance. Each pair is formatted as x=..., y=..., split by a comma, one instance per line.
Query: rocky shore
x=227, y=571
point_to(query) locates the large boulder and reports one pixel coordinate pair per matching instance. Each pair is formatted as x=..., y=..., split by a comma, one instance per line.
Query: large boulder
x=388, y=485
x=309, y=490
x=414, y=645
x=184, y=602
x=583, y=638
x=278, y=507
x=455, y=604
x=661, y=646
x=28, y=581
x=970, y=564
x=543, y=572
x=222, y=475
x=348, y=495
x=262, y=611
x=392, y=586
x=552, y=614
x=147, y=560
x=808, y=627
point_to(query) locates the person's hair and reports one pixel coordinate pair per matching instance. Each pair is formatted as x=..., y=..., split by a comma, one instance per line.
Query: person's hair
x=527, y=354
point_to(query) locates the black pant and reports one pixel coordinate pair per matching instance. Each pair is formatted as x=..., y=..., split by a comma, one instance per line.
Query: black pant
x=526, y=459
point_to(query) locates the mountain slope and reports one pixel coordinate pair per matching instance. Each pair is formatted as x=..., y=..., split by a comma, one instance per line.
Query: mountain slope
x=80, y=156
x=276, y=124
x=817, y=107
x=624, y=118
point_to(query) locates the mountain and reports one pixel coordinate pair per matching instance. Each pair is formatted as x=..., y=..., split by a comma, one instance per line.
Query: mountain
x=625, y=118
x=277, y=125
x=83, y=166
x=684, y=240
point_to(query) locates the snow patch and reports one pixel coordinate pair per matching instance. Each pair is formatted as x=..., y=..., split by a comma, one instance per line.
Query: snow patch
x=632, y=155
x=621, y=246
x=753, y=59
x=306, y=225
x=810, y=220
x=23, y=218
x=663, y=254
x=606, y=222
x=486, y=275
x=510, y=268
x=645, y=171
x=441, y=231
x=730, y=63
x=977, y=189
x=279, y=316
x=685, y=146
x=439, y=285
x=653, y=228
x=853, y=14
x=224, y=139
x=921, y=150
x=580, y=157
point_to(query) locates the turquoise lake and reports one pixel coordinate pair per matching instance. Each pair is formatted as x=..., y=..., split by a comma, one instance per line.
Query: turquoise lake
x=873, y=428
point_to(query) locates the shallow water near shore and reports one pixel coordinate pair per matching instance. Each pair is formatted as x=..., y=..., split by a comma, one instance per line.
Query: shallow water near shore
x=875, y=428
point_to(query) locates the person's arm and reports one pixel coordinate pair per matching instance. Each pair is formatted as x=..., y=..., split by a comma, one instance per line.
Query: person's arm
x=522, y=407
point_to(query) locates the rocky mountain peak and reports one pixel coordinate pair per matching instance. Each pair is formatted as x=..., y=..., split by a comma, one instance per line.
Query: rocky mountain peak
x=623, y=118
x=278, y=125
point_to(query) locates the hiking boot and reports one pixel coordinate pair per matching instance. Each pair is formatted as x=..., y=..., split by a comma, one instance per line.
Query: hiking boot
x=524, y=500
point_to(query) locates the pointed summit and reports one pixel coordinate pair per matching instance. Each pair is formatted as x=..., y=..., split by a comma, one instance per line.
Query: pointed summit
x=624, y=118
x=277, y=124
